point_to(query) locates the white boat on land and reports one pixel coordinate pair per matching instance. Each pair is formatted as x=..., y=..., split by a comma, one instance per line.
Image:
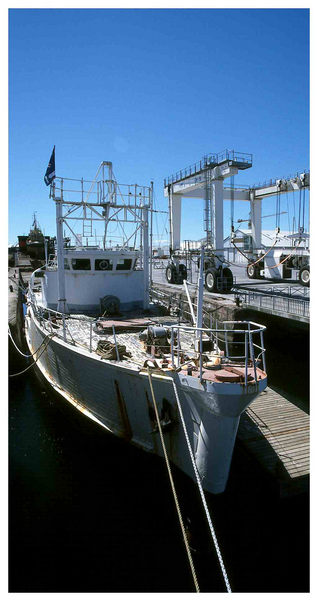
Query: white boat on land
x=106, y=365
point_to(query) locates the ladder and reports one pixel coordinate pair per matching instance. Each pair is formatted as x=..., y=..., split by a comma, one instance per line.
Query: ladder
x=208, y=210
x=87, y=224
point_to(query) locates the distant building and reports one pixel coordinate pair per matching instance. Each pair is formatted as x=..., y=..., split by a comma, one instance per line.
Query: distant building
x=285, y=239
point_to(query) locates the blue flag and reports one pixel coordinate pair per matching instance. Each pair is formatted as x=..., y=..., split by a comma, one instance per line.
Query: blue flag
x=50, y=171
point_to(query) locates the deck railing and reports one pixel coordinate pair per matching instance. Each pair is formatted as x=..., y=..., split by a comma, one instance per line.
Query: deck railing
x=56, y=322
x=232, y=336
x=100, y=191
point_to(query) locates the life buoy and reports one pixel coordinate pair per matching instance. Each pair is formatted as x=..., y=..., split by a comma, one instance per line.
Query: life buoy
x=104, y=265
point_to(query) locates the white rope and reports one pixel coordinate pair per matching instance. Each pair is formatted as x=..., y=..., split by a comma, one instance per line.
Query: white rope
x=173, y=487
x=20, y=351
x=211, y=527
x=47, y=339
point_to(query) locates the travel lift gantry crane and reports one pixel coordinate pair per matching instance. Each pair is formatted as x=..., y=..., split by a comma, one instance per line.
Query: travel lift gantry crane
x=205, y=179
x=291, y=263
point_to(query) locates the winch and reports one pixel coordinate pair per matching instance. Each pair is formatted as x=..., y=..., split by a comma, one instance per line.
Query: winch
x=156, y=340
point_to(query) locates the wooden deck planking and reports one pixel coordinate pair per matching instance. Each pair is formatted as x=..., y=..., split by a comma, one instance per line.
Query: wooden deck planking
x=276, y=433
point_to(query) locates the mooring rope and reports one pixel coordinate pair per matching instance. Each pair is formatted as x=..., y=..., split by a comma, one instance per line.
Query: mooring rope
x=47, y=339
x=17, y=283
x=173, y=486
x=211, y=527
x=20, y=351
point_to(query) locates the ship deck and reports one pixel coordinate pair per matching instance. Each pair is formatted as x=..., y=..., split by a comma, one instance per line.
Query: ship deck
x=88, y=333
x=126, y=332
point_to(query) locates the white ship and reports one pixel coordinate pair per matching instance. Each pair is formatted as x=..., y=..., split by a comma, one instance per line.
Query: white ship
x=117, y=368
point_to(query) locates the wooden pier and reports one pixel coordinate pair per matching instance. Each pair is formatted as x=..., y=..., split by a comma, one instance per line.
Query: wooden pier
x=276, y=433
x=15, y=311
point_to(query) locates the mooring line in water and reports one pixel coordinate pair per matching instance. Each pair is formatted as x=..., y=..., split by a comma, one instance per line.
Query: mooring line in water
x=173, y=486
x=47, y=340
x=20, y=351
x=211, y=527
x=18, y=284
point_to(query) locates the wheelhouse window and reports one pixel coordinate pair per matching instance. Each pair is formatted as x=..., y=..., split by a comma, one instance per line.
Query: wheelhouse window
x=124, y=264
x=66, y=263
x=81, y=264
x=103, y=264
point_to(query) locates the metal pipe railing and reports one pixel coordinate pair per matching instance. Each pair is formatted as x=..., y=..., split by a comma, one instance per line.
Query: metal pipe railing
x=90, y=336
x=208, y=160
x=249, y=330
x=200, y=356
x=248, y=342
x=115, y=342
x=172, y=345
x=246, y=346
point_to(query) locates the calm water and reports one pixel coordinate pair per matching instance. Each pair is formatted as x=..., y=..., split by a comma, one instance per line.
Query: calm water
x=89, y=513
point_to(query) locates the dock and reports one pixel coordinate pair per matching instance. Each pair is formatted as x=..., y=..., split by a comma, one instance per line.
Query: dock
x=275, y=433
x=18, y=277
x=243, y=303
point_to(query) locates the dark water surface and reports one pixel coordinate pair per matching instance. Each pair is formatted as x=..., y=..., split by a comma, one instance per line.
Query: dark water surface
x=90, y=513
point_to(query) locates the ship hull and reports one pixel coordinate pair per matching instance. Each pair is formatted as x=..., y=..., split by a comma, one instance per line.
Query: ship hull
x=119, y=399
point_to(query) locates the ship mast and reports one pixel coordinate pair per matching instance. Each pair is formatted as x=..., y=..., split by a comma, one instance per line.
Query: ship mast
x=105, y=201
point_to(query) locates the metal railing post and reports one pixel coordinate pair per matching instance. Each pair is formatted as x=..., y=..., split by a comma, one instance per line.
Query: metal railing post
x=226, y=340
x=252, y=356
x=90, y=337
x=250, y=351
x=64, y=327
x=263, y=351
x=246, y=346
x=115, y=341
x=211, y=335
x=201, y=357
x=50, y=322
x=178, y=343
x=172, y=346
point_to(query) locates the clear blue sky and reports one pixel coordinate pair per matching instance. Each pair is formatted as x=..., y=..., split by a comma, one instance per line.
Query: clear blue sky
x=153, y=91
